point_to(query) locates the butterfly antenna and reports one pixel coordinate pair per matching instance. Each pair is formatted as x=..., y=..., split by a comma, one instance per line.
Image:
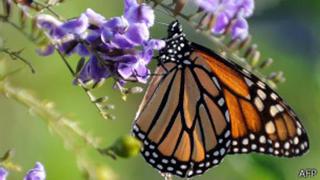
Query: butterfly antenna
x=162, y=23
x=165, y=12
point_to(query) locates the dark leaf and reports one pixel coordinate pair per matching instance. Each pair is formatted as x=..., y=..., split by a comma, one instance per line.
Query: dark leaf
x=80, y=64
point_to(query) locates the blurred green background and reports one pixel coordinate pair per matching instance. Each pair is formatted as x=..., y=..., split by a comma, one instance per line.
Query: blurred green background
x=287, y=30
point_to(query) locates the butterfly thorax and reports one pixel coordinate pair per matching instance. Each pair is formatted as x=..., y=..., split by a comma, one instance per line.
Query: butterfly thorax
x=178, y=49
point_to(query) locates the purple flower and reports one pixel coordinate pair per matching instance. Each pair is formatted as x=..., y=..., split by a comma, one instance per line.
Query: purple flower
x=118, y=47
x=229, y=12
x=50, y=25
x=222, y=22
x=3, y=174
x=133, y=66
x=116, y=25
x=240, y=29
x=94, y=70
x=245, y=7
x=208, y=5
x=94, y=18
x=76, y=26
x=149, y=47
x=138, y=33
x=45, y=50
x=37, y=173
x=136, y=13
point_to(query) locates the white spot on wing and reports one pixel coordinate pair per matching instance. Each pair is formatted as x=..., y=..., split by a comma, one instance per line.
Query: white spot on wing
x=221, y=102
x=186, y=62
x=261, y=94
x=270, y=128
x=259, y=104
x=261, y=84
x=262, y=139
x=248, y=81
x=273, y=111
x=216, y=82
x=227, y=116
x=245, y=141
x=274, y=96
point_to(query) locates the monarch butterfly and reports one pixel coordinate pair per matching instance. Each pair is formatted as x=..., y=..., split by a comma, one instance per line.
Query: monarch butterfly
x=205, y=107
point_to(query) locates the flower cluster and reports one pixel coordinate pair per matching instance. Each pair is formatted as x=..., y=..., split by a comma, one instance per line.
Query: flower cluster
x=36, y=173
x=229, y=14
x=119, y=47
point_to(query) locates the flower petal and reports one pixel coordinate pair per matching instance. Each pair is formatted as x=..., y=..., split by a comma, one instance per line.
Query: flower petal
x=221, y=24
x=93, y=70
x=208, y=5
x=94, y=18
x=3, y=174
x=156, y=44
x=117, y=24
x=129, y=4
x=141, y=70
x=37, y=173
x=246, y=7
x=240, y=29
x=121, y=41
x=140, y=14
x=124, y=70
x=82, y=50
x=47, y=22
x=107, y=35
x=138, y=33
x=76, y=26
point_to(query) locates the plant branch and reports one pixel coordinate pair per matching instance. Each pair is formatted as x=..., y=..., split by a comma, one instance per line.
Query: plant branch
x=15, y=55
x=18, y=28
x=226, y=49
x=46, y=111
x=86, y=90
x=66, y=128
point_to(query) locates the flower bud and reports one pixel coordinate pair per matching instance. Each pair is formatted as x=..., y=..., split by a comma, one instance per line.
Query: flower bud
x=126, y=146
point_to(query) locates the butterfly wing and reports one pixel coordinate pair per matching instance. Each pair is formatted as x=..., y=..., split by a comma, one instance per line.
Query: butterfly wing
x=183, y=121
x=260, y=120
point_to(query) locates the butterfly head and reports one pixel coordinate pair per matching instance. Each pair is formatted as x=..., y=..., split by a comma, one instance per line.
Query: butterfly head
x=175, y=29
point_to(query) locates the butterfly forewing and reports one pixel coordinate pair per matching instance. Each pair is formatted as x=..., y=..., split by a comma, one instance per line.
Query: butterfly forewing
x=260, y=120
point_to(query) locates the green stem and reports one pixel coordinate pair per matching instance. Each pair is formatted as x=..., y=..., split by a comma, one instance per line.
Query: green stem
x=67, y=129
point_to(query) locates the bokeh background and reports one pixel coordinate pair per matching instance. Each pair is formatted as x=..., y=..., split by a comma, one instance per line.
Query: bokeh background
x=287, y=30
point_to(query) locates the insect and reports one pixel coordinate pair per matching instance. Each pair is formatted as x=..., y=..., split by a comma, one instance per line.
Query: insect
x=205, y=107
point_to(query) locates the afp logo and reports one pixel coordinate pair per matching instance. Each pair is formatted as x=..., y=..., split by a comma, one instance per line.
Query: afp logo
x=307, y=173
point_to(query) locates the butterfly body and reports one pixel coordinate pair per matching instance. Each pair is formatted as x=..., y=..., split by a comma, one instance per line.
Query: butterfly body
x=205, y=107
